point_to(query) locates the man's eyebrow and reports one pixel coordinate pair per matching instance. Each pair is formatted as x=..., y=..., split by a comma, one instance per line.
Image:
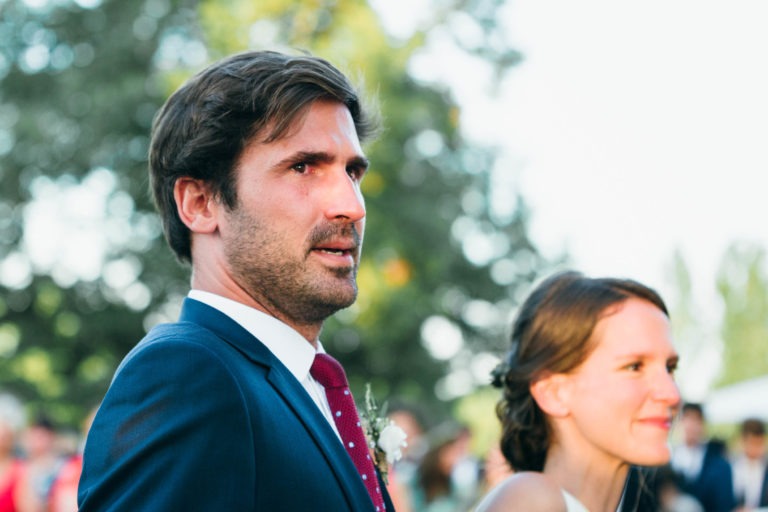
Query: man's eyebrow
x=321, y=157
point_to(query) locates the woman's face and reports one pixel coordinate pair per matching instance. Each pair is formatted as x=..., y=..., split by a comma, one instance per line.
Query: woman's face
x=623, y=397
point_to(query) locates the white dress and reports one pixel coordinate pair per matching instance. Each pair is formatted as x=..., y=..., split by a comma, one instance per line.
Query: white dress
x=572, y=504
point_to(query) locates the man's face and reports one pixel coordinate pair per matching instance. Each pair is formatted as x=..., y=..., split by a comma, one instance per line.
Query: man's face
x=293, y=240
x=693, y=427
x=754, y=446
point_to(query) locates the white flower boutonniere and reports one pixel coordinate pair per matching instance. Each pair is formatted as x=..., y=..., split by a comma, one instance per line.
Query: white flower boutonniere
x=385, y=438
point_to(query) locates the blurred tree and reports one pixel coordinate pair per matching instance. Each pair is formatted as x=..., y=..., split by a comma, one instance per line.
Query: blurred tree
x=743, y=286
x=690, y=330
x=80, y=84
x=81, y=256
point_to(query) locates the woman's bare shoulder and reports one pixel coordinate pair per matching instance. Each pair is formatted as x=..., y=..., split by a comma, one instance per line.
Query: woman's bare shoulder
x=525, y=491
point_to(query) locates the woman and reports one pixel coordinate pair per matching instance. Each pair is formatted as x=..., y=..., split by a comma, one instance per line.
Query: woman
x=588, y=391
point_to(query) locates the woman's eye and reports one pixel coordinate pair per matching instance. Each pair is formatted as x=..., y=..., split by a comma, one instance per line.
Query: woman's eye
x=634, y=367
x=671, y=367
x=300, y=167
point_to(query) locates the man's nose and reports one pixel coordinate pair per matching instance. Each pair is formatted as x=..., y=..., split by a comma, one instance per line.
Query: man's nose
x=343, y=197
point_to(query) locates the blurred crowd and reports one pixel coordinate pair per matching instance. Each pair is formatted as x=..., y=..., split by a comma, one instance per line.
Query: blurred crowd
x=707, y=475
x=439, y=473
x=39, y=464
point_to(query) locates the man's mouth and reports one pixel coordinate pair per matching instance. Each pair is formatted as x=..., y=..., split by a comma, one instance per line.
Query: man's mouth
x=346, y=252
x=342, y=243
x=337, y=252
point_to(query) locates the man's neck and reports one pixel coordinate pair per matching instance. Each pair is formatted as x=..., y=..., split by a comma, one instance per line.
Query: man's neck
x=309, y=332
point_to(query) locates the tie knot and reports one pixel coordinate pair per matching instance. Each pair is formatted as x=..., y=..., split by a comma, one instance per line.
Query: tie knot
x=328, y=371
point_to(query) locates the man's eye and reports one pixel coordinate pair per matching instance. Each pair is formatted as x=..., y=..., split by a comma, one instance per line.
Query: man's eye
x=634, y=367
x=356, y=172
x=300, y=167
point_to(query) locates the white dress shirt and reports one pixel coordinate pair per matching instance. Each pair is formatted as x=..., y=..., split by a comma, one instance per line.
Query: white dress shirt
x=688, y=460
x=287, y=345
x=748, y=479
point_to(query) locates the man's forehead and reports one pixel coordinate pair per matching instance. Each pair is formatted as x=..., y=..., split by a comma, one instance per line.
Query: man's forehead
x=280, y=128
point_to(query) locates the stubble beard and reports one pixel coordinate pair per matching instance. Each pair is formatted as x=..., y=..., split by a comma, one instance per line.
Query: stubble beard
x=288, y=287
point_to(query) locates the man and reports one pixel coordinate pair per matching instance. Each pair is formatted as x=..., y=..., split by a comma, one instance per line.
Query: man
x=255, y=167
x=705, y=473
x=749, y=475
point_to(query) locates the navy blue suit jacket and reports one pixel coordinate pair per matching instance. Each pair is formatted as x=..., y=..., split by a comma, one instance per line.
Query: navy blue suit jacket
x=764, y=490
x=714, y=485
x=201, y=416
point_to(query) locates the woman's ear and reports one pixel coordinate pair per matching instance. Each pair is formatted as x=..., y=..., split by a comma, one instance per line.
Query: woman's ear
x=196, y=205
x=551, y=392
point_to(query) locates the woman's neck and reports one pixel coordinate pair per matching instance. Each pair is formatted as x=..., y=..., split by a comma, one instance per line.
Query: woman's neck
x=597, y=481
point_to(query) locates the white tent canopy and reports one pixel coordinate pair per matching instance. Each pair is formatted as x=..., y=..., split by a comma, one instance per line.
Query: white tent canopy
x=737, y=402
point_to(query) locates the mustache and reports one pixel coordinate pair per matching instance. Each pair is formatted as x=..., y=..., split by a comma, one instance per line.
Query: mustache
x=327, y=232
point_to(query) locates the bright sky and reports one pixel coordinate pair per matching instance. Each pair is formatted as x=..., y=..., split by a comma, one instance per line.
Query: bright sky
x=643, y=129
x=632, y=130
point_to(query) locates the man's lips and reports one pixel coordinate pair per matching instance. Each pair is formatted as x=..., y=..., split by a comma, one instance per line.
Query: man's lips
x=336, y=248
x=335, y=238
x=346, y=250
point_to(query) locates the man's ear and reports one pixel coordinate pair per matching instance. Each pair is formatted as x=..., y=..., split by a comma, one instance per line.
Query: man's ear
x=196, y=205
x=551, y=392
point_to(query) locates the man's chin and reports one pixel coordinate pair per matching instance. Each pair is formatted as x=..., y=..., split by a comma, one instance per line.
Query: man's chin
x=329, y=300
x=344, y=299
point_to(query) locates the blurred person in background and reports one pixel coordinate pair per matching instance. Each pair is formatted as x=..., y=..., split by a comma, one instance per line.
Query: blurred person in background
x=705, y=472
x=669, y=493
x=434, y=489
x=63, y=494
x=750, y=479
x=403, y=472
x=496, y=468
x=410, y=419
x=588, y=392
x=42, y=461
x=11, y=467
x=467, y=471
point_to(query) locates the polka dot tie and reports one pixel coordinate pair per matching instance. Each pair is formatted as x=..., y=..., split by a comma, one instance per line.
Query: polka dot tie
x=328, y=372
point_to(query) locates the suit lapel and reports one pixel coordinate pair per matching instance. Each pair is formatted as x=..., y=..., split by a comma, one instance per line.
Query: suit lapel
x=764, y=488
x=292, y=392
x=324, y=436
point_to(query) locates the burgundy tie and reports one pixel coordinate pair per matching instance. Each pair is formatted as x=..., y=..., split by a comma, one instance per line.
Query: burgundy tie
x=328, y=372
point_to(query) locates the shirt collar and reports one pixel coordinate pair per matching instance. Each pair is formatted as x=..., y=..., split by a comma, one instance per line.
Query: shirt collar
x=290, y=347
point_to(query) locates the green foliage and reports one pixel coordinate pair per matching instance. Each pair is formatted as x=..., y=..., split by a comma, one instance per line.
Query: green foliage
x=79, y=90
x=689, y=330
x=86, y=109
x=743, y=285
x=59, y=347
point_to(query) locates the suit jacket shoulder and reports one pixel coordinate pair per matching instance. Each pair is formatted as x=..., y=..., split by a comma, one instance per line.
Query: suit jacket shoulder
x=201, y=416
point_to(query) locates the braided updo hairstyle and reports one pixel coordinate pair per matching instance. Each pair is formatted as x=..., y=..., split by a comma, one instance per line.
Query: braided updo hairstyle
x=552, y=333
